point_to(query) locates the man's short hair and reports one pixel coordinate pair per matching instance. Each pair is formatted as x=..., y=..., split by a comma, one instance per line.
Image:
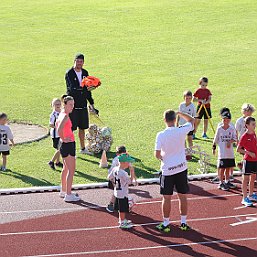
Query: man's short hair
x=169, y=115
x=187, y=93
x=79, y=56
x=121, y=149
x=249, y=119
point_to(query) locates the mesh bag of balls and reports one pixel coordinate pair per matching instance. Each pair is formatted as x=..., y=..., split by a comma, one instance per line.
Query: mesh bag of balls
x=98, y=139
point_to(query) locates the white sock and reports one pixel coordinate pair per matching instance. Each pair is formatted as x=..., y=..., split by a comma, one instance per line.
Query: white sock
x=166, y=221
x=226, y=181
x=183, y=219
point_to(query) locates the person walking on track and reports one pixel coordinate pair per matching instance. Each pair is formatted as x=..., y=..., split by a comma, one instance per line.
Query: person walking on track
x=79, y=116
x=170, y=150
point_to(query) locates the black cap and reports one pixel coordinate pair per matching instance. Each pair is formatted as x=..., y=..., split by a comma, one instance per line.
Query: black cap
x=79, y=56
x=226, y=115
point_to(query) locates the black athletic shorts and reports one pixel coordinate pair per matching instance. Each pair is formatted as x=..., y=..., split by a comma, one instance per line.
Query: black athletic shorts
x=178, y=180
x=203, y=112
x=79, y=119
x=226, y=163
x=121, y=205
x=68, y=149
x=56, y=143
x=5, y=153
x=249, y=168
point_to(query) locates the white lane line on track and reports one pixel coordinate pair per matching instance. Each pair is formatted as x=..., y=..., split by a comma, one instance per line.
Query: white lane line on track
x=113, y=227
x=147, y=248
x=99, y=206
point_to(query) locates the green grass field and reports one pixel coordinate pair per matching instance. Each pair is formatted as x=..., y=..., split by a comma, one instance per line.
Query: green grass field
x=146, y=53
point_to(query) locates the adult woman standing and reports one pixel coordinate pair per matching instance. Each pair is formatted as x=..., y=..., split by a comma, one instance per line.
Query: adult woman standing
x=67, y=150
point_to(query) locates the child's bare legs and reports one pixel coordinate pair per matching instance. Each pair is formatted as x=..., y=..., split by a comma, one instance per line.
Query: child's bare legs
x=122, y=216
x=227, y=172
x=251, y=183
x=56, y=157
x=221, y=174
x=64, y=176
x=205, y=125
x=245, y=184
x=197, y=122
x=4, y=160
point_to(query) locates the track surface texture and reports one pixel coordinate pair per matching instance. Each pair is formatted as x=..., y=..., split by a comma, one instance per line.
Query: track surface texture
x=42, y=224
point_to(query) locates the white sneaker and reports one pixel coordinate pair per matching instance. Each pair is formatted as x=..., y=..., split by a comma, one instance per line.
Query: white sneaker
x=3, y=168
x=62, y=194
x=85, y=151
x=71, y=198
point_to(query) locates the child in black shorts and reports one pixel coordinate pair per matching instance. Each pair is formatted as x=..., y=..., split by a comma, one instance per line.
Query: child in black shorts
x=121, y=181
x=55, y=161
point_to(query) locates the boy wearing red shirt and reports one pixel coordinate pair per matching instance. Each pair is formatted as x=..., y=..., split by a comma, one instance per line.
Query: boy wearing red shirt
x=248, y=146
x=203, y=96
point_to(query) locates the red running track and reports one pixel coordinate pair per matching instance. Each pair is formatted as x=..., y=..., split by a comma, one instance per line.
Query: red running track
x=220, y=227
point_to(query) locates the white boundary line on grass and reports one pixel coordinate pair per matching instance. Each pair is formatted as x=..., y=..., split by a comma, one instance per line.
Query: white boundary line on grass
x=147, y=248
x=97, y=185
x=113, y=227
x=101, y=206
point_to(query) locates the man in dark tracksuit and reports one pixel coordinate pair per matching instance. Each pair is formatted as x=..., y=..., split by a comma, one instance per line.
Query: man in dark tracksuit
x=81, y=95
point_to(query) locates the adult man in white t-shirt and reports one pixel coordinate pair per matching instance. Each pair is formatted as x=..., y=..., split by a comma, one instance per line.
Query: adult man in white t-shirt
x=170, y=150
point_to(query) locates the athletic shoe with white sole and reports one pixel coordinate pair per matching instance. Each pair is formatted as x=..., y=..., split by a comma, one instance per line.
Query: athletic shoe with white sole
x=253, y=197
x=231, y=185
x=247, y=202
x=71, y=198
x=216, y=180
x=110, y=207
x=125, y=225
x=204, y=136
x=85, y=151
x=62, y=194
x=223, y=186
x=3, y=168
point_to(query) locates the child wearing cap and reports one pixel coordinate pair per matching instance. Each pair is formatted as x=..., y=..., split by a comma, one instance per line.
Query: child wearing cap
x=121, y=181
x=224, y=137
x=248, y=147
x=203, y=96
x=187, y=107
x=5, y=136
x=115, y=163
x=55, y=161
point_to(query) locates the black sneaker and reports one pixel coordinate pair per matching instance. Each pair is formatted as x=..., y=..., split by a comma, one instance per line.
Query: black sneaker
x=184, y=227
x=59, y=164
x=231, y=185
x=110, y=207
x=223, y=186
x=216, y=180
x=51, y=165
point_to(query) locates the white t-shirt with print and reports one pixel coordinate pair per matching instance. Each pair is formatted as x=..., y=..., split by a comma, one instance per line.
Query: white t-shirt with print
x=221, y=138
x=240, y=127
x=53, y=118
x=121, y=181
x=171, y=143
x=5, y=135
x=188, y=109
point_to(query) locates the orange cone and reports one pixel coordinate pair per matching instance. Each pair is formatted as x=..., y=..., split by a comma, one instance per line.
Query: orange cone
x=103, y=162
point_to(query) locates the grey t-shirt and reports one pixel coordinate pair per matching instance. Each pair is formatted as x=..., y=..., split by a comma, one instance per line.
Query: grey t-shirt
x=121, y=181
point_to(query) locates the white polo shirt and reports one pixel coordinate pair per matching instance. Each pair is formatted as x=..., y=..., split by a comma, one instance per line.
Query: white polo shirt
x=171, y=143
x=189, y=109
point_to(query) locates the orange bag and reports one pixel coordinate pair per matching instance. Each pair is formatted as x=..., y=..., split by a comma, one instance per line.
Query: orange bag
x=90, y=82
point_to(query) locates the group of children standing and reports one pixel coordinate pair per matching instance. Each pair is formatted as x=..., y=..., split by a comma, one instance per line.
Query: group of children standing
x=227, y=135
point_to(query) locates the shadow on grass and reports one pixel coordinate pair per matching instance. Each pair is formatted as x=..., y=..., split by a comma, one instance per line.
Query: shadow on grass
x=27, y=179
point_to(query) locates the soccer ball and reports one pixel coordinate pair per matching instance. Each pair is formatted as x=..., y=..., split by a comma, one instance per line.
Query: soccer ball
x=89, y=138
x=92, y=129
x=131, y=202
